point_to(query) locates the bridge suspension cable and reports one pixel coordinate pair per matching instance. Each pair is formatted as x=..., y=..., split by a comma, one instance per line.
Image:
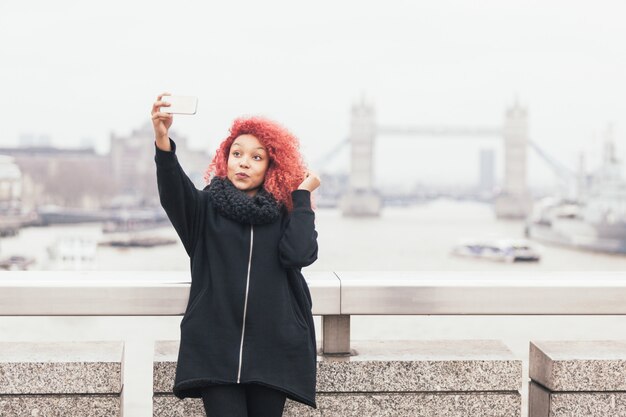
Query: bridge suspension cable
x=325, y=159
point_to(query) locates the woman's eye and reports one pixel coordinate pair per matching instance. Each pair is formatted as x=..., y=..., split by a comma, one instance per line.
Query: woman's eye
x=257, y=156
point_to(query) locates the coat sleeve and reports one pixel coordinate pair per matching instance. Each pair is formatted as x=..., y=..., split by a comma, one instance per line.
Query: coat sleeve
x=178, y=195
x=298, y=244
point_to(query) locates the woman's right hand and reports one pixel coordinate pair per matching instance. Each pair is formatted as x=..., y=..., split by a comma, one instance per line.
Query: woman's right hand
x=161, y=121
x=311, y=181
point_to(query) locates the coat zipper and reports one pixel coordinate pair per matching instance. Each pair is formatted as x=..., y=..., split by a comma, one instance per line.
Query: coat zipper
x=245, y=304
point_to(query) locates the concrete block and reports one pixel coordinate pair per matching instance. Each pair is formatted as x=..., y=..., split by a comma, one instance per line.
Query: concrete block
x=422, y=365
x=580, y=365
x=388, y=378
x=61, y=378
x=577, y=378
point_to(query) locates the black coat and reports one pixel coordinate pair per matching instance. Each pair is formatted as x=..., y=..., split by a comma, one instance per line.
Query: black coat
x=249, y=317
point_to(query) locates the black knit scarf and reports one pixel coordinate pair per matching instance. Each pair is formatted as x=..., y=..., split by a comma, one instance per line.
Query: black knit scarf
x=236, y=205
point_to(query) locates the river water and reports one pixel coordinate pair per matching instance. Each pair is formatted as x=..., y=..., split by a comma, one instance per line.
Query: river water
x=402, y=238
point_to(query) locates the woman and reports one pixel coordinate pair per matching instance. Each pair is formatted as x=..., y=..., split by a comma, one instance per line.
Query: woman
x=247, y=337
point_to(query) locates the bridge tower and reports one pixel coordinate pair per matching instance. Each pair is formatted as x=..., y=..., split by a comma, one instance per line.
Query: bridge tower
x=361, y=198
x=514, y=201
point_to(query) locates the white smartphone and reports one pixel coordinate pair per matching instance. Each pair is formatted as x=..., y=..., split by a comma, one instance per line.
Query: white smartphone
x=180, y=104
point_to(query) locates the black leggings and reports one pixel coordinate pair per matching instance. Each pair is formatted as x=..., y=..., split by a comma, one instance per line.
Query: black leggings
x=242, y=400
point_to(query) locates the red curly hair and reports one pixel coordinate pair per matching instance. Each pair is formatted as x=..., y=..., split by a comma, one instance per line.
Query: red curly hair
x=286, y=167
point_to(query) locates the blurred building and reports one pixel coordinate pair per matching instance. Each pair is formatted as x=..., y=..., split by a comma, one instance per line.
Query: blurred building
x=132, y=164
x=79, y=177
x=514, y=200
x=10, y=184
x=487, y=173
x=65, y=177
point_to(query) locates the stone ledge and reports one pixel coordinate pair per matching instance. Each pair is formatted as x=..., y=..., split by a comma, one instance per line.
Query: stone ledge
x=422, y=366
x=60, y=405
x=61, y=367
x=544, y=403
x=595, y=365
x=395, y=366
x=451, y=378
x=374, y=404
x=411, y=404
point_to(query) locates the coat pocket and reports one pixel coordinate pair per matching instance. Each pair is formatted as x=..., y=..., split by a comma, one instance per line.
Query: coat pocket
x=296, y=311
x=193, y=304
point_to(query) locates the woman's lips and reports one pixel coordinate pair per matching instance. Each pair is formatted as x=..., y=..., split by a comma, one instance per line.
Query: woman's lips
x=239, y=175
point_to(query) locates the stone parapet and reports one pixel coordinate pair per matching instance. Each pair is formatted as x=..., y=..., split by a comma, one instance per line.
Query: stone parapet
x=577, y=378
x=451, y=378
x=61, y=379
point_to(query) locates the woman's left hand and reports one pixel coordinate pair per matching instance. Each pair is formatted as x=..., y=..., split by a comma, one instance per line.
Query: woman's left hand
x=311, y=181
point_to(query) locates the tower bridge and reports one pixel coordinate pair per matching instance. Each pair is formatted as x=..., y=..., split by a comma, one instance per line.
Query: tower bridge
x=362, y=199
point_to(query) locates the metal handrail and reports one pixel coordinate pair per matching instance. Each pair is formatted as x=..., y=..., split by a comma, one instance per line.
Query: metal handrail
x=483, y=292
x=336, y=295
x=121, y=293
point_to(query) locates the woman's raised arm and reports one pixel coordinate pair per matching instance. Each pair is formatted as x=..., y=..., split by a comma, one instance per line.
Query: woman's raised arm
x=177, y=193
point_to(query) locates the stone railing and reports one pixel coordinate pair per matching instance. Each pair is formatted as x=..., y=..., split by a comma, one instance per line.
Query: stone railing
x=435, y=378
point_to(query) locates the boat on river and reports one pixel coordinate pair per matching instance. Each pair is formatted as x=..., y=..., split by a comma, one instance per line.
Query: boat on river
x=501, y=250
x=133, y=241
x=594, y=220
x=16, y=263
x=72, y=253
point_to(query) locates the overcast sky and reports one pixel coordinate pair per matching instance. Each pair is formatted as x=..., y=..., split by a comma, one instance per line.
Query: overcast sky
x=80, y=70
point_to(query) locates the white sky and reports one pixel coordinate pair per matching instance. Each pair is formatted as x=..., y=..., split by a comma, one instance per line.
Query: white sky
x=84, y=69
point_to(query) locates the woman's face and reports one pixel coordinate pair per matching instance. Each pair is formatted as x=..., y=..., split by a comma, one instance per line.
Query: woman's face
x=247, y=163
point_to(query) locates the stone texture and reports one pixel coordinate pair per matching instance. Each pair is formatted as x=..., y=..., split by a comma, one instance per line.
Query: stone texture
x=374, y=404
x=598, y=365
x=164, y=405
x=544, y=403
x=61, y=367
x=599, y=404
x=164, y=366
x=411, y=404
x=422, y=365
x=415, y=365
x=60, y=405
x=388, y=378
x=577, y=378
